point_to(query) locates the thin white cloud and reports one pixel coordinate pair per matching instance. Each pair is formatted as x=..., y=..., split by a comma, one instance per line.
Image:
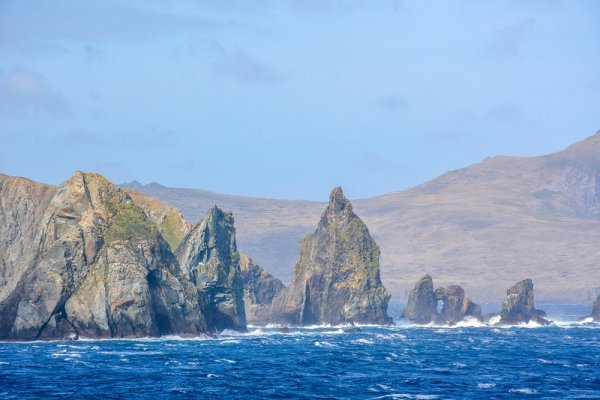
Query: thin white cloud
x=25, y=93
x=392, y=103
x=243, y=67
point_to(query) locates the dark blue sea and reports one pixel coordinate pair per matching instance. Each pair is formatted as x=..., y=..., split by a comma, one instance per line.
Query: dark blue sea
x=561, y=361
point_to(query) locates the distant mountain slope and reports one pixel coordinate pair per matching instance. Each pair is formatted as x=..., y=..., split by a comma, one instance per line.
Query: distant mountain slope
x=483, y=226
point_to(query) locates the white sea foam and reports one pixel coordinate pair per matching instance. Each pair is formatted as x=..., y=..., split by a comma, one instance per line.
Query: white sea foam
x=486, y=385
x=325, y=344
x=230, y=341
x=225, y=361
x=523, y=390
x=363, y=341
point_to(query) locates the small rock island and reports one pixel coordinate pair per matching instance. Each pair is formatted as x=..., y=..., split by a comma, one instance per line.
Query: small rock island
x=518, y=306
x=336, y=279
x=423, y=301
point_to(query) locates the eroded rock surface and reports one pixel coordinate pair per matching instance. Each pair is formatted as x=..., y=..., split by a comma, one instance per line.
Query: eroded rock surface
x=518, y=306
x=209, y=257
x=260, y=288
x=336, y=278
x=423, y=304
x=98, y=266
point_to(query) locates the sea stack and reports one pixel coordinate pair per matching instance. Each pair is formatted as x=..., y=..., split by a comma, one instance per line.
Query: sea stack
x=336, y=278
x=209, y=257
x=518, y=306
x=423, y=303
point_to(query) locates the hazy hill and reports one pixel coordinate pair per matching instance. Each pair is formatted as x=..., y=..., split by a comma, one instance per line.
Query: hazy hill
x=485, y=226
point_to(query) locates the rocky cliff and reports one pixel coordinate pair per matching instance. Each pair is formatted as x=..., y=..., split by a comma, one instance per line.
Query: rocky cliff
x=209, y=257
x=422, y=307
x=336, y=277
x=518, y=306
x=260, y=288
x=96, y=265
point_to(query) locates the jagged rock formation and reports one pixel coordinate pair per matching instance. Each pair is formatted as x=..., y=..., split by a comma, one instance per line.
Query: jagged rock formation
x=492, y=220
x=208, y=255
x=260, y=288
x=456, y=307
x=422, y=304
x=596, y=310
x=336, y=278
x=518, y=307
x=97, y=266
x=422, y=307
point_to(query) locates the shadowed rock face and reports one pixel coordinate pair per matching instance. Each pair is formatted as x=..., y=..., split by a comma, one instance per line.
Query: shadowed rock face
x=596, y=310
x=260, y=288
x=99, y=268
x=208, y=255
x=336, y=278
x=518, y=307
x=423, y=303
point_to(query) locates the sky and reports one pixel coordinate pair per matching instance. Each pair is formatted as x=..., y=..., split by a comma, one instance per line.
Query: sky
x=287, y=99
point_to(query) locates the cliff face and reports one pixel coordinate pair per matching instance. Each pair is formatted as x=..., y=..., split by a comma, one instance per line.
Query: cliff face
x=260, y=288
x=422, y=304
x=518, y=306
x=208, y=256
x=22, y=206
x=336, y=278
x=422, y=307
x=98, y=266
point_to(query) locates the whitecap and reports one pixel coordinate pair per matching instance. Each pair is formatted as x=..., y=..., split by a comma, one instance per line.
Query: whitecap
x=225, y=361
x=230, y=341
x=363, y=341
x=325, y=344
x=486, y=385
x=523, y=390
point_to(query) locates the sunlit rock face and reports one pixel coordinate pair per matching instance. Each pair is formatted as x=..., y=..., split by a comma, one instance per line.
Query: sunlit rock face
x=518, y=306
x=336, y=278
x=98, y=267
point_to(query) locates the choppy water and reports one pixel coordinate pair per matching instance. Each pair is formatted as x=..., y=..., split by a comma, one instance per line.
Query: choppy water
x=403, y=361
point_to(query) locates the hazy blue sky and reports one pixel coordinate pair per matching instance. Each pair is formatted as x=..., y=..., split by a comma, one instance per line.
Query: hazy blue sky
x=290, y=98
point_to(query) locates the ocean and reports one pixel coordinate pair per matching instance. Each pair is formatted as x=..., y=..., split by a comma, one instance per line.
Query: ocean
x=404, y=361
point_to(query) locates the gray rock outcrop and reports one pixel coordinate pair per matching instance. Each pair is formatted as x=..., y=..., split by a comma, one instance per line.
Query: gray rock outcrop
x=422, y=304
x=422, y=307
x=260, y=288
x=99, y=267
x=336, y=278
x=518, y=306
x=208, y=255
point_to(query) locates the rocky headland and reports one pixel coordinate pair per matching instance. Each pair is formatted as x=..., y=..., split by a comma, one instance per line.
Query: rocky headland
x=90, y=259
